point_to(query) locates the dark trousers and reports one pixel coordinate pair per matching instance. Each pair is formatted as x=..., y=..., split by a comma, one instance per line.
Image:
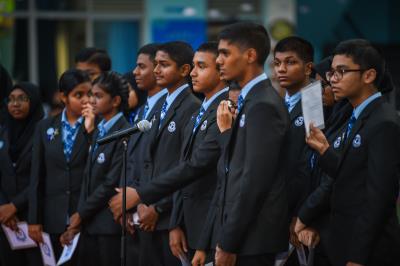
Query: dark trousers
x=132, y=249
x=256, y=260
x=99, y=250
x=57, y=248
x=24, y=257
x=154, y=249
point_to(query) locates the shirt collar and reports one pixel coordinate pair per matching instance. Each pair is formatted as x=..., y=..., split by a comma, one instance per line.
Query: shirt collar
x=110, y=123
x=358, y=110
x=246, y=89
x=64, y=119
x=171, y=97
x=151, y=101
x=206, y=103
x=292, y=100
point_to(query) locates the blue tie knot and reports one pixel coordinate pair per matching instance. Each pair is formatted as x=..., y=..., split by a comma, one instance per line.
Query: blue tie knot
x=240, y=102
x=198, y=118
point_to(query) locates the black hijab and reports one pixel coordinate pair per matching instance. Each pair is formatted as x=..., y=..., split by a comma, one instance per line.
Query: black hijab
x=21, y=131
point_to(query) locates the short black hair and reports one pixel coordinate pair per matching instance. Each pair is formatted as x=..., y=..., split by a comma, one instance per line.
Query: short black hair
x=150, y=50
x=300, y=46
x=180, y=52
x=115, y=85
x=248, y=35
x=94, y=56
x=363, y=54
x=210, y=47
x=72, y=78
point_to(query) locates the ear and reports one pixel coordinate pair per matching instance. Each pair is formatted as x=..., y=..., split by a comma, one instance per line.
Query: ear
x=308, y=68
x=63, y=98
x=185, y=70
x=252, y=56
x=116, y=101
x=369, y=76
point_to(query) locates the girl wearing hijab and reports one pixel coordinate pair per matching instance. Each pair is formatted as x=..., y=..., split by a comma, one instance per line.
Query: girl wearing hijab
x=24, y=110
x=60, y=151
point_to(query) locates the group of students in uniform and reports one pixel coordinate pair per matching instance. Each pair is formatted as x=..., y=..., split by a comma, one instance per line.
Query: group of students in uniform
x=231, y=179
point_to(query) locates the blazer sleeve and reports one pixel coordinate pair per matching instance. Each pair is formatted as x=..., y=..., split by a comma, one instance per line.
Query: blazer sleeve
x=102, y=194
x=263, y=145
x=177, y=210
x=381, y=190
x=36, y=185
x=3, y=198
x=203, y=158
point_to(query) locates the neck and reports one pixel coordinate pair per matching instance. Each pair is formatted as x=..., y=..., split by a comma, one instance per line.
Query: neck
x=212, y=92
x=110, y=115
x=297, y=87
x=71, y=117
x=251, y=73
x=153, y=91
x=362, y=96
x=174, y=87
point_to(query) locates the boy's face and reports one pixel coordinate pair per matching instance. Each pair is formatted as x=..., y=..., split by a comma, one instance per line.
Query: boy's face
x=144, y=75
x=345, y=84
x=232, y=61
x=205, y=75
x=103, y=102
x=77, y=98
x=291, y=71
x=93, y=70
x=167, y=73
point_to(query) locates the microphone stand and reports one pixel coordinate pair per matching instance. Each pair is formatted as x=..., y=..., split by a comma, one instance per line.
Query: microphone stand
x=124, y=170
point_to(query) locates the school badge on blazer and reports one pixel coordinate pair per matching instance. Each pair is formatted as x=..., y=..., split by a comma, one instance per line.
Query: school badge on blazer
x=1, y=144
x=299, y=121
x=336, y=144
x=52, y=133
x=357, y=141
x=242, y=120
x=172, y=126
x=203, y=125
x=101, y=158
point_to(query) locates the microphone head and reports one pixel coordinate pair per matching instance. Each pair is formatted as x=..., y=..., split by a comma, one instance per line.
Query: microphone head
x=144, y=125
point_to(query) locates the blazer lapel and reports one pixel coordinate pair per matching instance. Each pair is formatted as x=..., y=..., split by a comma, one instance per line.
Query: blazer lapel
x=57, y=141
x=79, y=142
x=296, y=111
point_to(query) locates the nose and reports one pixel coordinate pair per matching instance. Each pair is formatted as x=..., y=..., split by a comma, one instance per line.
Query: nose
x=219, y=60
x=281, y=68
x=193, y=73
x=135, y=71
x=156, y=69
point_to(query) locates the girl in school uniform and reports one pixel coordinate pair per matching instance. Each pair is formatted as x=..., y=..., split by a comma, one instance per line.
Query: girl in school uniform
x=24, y=111
x=100, y=234
x=60, y=150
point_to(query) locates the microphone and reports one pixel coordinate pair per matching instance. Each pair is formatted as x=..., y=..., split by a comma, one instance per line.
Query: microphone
x=142, y=126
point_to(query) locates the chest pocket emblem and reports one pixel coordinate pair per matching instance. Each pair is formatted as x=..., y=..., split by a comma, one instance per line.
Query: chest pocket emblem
x=203, y=125
x=101, y=158
x=1, y=144
x=336, y=144
x=242, y=120
x=172, y=126
x=357, y=141
x=299, y=121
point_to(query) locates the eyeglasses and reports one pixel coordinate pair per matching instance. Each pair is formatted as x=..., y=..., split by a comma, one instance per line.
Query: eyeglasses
x=338, y=73
x=19, y=100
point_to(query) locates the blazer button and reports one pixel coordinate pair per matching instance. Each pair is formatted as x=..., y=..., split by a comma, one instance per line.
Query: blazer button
x=68, y=192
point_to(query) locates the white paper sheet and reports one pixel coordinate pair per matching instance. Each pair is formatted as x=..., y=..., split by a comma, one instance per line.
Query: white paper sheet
x=185, y=261
x=47, y=251
x=68, y=250
x=19, y=239
x=135, y=218
x=311, y=103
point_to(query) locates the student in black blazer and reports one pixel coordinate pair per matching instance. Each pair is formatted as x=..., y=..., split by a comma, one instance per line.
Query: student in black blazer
x=250, y=222
x=173, y=65
x=199, y=155
x=364, y=228
x=146, y=81
x=293, y=60
x=24, y=111
x=100, y=239
x=60, y=149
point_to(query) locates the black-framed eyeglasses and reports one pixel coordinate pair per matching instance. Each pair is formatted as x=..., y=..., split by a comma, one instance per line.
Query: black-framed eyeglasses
x=19, y=100
x=338, y=73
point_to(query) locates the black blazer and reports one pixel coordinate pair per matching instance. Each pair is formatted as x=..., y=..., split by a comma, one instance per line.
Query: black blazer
x=55, y=184
x=364, y=227
x=14, y=177
x=251, y=213
x=137, y=145
x=102, y=176
x=163, y=150
x=199, y=156
x=296, y=161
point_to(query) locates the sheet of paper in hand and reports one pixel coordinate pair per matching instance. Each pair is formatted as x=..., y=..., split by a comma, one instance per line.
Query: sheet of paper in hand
x=47, y=251
x=68, y=250
x=312, y=107
x=19, y=239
